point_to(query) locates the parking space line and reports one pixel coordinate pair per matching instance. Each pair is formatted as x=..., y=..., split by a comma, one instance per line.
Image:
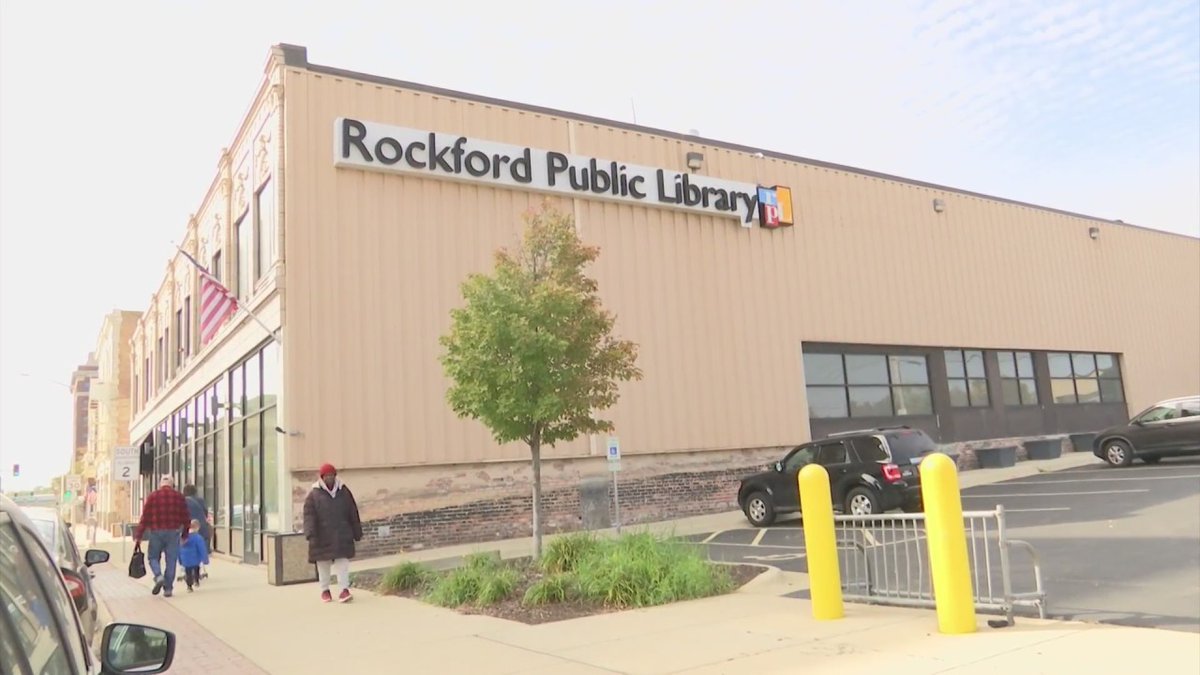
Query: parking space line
x=1101, y=480
x=1135, y=471
x=758, y=537
x=725, y=543
x=712, y=536
x=1052, y=494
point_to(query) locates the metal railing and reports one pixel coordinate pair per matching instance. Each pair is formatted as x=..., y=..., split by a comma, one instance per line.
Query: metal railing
x=884, y=559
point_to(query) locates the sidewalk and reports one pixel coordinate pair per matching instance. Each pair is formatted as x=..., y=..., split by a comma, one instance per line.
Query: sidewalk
x=198, y=651
x=755, y=631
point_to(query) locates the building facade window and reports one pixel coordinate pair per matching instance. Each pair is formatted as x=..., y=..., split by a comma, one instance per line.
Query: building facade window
x=245, y=260
x=1085, y=378
x=1017, y=380
x=966, y=376
x=177, y=351
x=216, y=268
x=160, y=370
x=187, y=326
x=266, y=229
x=867, y=385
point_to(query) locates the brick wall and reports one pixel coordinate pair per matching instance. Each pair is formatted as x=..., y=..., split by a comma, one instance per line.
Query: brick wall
x=643, y=500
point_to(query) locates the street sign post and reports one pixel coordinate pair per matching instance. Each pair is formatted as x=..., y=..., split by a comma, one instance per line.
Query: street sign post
x=74, y=485
x=614, y=467
x=126, y=462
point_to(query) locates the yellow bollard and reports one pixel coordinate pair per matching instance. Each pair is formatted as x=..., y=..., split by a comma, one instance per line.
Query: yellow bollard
x=948, y=562
x=820, y=543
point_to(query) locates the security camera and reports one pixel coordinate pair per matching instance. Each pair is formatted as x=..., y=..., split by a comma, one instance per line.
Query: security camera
x=758, y=155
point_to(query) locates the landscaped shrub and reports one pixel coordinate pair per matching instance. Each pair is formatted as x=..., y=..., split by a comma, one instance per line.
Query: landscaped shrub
x=404, y=577
x=564, y=553
x=638, y=570
x=635, y=570
x=483, y=580
x=549, y=589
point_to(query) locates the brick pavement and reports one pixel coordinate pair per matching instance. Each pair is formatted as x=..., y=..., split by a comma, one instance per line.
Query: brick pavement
x=197, y=651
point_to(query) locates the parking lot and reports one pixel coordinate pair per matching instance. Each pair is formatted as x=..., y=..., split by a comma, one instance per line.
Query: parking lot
x=1116, y=545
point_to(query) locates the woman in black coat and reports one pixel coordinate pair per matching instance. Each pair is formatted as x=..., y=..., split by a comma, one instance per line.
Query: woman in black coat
x=331, y=526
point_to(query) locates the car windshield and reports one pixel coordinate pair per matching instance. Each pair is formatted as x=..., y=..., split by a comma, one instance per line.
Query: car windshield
x=909, y=443
x=48, y=531
x=45, y=530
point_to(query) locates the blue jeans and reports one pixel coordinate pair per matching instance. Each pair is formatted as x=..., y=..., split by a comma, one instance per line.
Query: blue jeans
x=164, y=541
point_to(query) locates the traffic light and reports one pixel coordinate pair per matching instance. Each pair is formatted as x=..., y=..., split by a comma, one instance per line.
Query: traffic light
x=67, y=495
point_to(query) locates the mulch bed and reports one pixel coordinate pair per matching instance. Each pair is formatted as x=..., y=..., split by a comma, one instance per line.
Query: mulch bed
x=514, y=610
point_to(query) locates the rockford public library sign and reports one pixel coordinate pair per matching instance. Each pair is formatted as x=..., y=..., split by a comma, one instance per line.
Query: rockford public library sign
x=380, y=147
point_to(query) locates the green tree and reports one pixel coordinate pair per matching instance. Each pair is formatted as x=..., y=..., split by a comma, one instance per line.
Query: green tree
x=531, y=354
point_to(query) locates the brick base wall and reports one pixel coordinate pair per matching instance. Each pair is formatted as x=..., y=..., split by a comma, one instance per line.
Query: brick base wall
x=967, y=459
x=643, y=500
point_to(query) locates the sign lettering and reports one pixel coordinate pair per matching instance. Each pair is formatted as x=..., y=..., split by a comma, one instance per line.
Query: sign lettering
x=372, y=146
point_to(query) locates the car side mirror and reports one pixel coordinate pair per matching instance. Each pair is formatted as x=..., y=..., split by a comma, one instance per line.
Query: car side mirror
x=95, y=556
x=1136, y=423
x=131, y=648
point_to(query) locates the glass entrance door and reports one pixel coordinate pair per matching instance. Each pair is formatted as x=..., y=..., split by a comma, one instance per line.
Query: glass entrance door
x=252, y=514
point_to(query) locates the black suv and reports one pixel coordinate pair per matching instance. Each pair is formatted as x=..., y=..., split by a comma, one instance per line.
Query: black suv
x=870, y=471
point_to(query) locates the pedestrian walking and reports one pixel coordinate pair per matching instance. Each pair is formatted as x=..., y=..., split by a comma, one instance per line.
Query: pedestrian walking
x=193, y=552
x=165, y=519
x=198, y=510
x=331, y=526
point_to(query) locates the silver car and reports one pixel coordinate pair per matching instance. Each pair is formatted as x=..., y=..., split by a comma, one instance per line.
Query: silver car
x=74, y=567
x=40, y=628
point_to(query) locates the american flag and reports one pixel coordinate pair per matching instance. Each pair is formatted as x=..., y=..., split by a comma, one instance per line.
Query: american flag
x=217, y=303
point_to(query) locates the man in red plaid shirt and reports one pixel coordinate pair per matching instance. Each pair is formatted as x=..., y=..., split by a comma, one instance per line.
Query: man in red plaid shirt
x=165, y=518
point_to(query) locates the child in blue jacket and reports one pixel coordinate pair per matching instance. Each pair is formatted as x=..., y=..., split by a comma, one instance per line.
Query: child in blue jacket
x=193, y=553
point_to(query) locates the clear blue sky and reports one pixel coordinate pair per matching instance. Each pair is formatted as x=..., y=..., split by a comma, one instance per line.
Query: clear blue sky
x=112, y=116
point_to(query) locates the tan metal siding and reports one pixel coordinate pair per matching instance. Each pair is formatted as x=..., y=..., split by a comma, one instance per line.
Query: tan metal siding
x=375, y=262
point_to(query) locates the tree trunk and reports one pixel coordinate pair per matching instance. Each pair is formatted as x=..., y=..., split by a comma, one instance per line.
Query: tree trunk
x=535, y=449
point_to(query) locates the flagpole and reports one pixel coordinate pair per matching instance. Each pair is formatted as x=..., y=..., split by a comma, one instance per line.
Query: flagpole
x=253, y=317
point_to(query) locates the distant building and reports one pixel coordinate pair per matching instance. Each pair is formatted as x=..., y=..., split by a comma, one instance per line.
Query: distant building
x=774, y=299
x=114, y=501
x=82, y=416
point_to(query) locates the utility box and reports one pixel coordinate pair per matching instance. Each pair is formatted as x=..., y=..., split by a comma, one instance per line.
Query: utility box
x=595, y=504
x=286, y=557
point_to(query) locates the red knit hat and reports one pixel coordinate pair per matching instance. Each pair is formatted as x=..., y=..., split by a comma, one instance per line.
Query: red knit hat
x=327, y=469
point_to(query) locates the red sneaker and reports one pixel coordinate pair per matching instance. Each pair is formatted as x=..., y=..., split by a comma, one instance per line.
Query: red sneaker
x=345, y=596
x=326, y=596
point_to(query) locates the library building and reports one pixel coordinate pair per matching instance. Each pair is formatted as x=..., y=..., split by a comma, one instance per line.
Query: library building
x=774, y=299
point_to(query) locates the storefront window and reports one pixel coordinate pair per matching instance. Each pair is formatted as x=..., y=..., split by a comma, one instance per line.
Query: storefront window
x=237, y=403
x=221, y=391
x=236, y=447
x=272, y=382
x=270, y=472
x=220, y=499
x=210, y=472
x=253, y=383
